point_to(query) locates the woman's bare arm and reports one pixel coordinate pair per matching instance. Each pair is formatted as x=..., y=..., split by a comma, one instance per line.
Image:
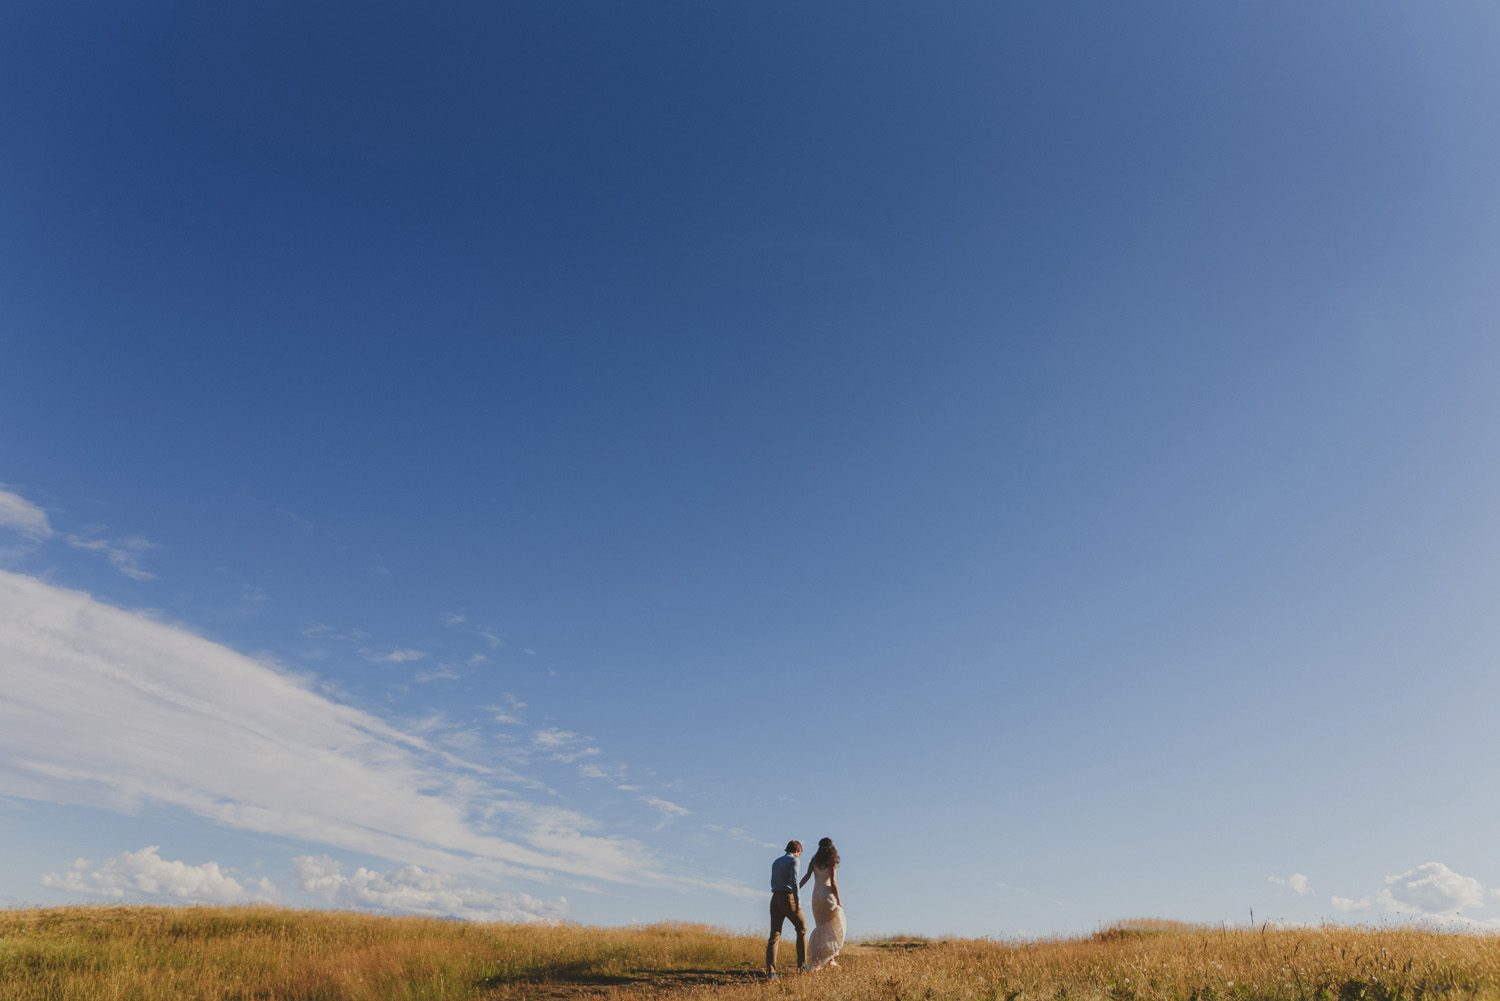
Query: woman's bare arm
x=833, y=883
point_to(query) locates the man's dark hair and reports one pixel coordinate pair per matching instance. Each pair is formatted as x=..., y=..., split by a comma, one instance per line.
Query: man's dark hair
x=793, y=847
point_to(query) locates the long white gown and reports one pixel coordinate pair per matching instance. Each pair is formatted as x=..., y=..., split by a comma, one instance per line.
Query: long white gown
x=827, y=936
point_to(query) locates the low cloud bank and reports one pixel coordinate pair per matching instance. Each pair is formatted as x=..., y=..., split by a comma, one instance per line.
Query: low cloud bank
x=1433, y=889
x=412, y=890
x=146, y=876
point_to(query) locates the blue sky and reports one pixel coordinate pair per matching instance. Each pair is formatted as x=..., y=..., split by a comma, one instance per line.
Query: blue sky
x=532, y=461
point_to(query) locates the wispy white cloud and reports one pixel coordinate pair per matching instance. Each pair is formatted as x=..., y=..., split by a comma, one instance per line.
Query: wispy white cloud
x=591, y=770
x=438, y=672
x=1349, y=905
x=665, y=806
x=669, y=811
x=510, y=713
x=563, y=745
x=145, y=875
x=736, y=833
x=413, y=890
x=108, y=708
x=453, y=620
x=477, y=660
x=550, y=739
x=301, y=524
x=1431, y=889
x=1296, y=881
x=20, y=515
x=123, y=554
x=395, y=655
x=320, y=631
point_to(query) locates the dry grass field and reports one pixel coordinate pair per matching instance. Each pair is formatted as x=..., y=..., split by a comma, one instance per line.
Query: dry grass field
x=132, y=953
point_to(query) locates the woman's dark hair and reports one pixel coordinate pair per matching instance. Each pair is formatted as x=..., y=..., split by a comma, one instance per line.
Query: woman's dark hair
x=827, y=856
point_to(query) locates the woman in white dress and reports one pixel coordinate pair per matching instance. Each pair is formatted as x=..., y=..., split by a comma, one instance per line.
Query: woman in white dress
x=827, y=937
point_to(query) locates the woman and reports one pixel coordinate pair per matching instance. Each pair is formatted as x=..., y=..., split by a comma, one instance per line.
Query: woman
x=828, y=911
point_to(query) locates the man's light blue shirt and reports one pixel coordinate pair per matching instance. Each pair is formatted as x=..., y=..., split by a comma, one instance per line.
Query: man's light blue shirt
x=784, y=874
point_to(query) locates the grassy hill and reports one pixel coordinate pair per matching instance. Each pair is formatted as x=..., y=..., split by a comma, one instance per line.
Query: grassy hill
x=132, y=953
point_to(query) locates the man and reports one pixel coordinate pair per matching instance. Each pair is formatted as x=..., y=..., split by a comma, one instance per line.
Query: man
x=785, y=906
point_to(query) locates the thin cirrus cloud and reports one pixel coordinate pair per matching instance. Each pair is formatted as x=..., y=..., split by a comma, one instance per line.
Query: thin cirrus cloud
x=453, y=620
x=669, y=811
x=109, y=708
x=563, y=745
x=440, y=672
x=123, y=554
x=395, y=655
x=29, y=521
x=20, y=515
x=145, y=875
x=738, y=834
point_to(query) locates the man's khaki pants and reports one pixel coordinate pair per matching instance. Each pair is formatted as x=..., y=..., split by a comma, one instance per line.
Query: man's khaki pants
x=784, y=907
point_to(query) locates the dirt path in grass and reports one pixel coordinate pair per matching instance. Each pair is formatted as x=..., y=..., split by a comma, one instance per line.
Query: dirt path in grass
x=636, y=986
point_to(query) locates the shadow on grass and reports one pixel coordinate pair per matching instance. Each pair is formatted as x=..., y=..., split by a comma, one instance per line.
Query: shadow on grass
x=903, y=945
x=581, y=977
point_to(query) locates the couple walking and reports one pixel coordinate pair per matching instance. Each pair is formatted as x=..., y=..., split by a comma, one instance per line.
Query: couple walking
x=828, y=910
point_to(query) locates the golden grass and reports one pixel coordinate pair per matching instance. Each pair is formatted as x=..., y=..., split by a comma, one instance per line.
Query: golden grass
x=149, y=953
x=221, y=953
